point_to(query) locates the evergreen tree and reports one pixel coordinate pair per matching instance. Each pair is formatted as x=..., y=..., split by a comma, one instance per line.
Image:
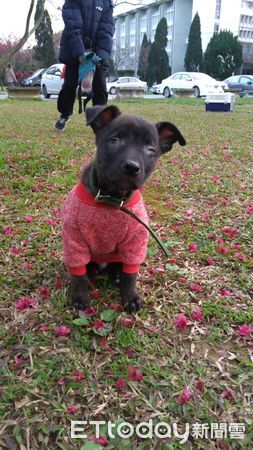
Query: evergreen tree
x=194, y=56
x=223, y=55
x=143, y=58
x=158, y=61
x=44, y=49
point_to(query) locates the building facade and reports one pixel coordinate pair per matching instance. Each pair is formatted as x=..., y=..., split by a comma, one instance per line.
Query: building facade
x=215, y=15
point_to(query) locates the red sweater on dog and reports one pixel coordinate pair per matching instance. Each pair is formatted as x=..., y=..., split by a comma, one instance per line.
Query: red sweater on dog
x=94, y=231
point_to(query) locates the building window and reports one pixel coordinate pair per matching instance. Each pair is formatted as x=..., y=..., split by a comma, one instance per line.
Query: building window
x=122, y=35
x=132, y=33
x=217, y=9
x=143, y=27
x=216, y=28
x=169, y=15
x=155, y=20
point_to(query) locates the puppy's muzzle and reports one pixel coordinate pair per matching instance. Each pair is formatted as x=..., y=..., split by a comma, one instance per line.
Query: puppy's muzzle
x=131, y=167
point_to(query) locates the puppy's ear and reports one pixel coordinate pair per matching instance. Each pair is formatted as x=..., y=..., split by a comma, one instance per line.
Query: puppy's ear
x=168, y=135
x=100, y=115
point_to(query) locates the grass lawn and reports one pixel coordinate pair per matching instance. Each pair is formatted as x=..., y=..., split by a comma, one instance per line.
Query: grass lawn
x=187, y=358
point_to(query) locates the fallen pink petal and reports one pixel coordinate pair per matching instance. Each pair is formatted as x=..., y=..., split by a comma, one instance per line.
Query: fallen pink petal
x=184, y=397
x=244, y=330
x=24, y=303
x=62, y=330
x=197, y=314
x=181, y=322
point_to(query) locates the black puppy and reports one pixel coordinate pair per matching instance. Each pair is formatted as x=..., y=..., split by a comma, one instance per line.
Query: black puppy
x=94, y=227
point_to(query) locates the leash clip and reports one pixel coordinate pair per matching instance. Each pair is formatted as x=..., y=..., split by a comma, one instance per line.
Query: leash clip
x=100, y=198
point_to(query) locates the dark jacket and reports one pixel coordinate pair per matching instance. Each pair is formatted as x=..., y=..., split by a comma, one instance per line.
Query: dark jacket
x=86, y=18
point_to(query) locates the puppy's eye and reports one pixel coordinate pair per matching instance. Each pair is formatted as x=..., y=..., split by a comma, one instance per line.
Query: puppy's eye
x=151, y=151
x=114, y=140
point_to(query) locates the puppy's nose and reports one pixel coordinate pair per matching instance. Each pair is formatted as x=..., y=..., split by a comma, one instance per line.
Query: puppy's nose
x=132, y=167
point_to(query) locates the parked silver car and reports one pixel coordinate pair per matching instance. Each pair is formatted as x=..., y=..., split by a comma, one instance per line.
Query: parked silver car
x=243, y=83
x=125, y=82
x=52, y=80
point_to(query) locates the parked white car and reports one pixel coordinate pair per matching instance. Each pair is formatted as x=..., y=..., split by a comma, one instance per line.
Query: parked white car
x=125, y=82
x=201, y=84
x=52, y=80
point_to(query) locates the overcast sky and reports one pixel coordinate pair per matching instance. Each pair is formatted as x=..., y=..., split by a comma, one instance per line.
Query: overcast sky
x=13, y=14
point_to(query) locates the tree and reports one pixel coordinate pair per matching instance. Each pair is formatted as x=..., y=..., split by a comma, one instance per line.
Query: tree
x=158, y=61
x=223, y=55
x=44, y=50
x=10, y=52
x=143, y=58
x=193, y=60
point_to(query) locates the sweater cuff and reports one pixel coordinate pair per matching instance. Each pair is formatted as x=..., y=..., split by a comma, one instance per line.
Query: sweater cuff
x=130, y=268
x=77, y=271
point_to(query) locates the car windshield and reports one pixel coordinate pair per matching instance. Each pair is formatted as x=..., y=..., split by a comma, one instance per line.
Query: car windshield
x=37, y=72
x=203, y=76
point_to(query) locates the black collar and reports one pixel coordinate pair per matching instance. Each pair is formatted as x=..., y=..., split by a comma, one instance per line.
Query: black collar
x=101, y=196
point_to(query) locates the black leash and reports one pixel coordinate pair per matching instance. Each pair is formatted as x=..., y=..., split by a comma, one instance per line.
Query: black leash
x=119, y=203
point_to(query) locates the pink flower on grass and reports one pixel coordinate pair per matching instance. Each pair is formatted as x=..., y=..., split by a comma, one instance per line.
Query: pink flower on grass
x=9, y=231
x=241, y=257
x=249, y=209
x=44, y=327
x=98, y=324
x=58, y=283
x=192, y=247
x=27, y=265
x=72, y=409
x=184, y=397
x=102, y=440
x=94, y=294
x=181, y=322
x=134, y=374
x=45, y=292
x=244, y=330
x=210, y=261
x=227, y=394
x=206, y=217
x=222, y=250
x=196, y=287
x=15, y=251
x=225, y=293
x=215, y=179
x=24, y=303
x=79, y=375
x=89, y=311
x=200, y=387
x=197, y=314
x=52, y=222
x=120, y=383
x=28, y=219
x=127, y=322
x=62, y=330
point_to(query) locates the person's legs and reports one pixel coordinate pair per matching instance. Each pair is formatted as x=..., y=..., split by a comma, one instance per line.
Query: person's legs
x=67, y=95
x=99, y=87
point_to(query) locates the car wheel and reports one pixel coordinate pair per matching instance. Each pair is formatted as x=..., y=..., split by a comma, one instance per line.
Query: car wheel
x=167, y=92
x=196, y=92
x=44, y=91
x=113, y=90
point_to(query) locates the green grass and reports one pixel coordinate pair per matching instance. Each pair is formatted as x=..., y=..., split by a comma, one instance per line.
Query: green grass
x=193, y=194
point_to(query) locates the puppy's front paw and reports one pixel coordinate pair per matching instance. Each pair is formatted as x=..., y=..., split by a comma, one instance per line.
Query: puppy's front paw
x=132, y=304
x=79, y=303
x=79, y=293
